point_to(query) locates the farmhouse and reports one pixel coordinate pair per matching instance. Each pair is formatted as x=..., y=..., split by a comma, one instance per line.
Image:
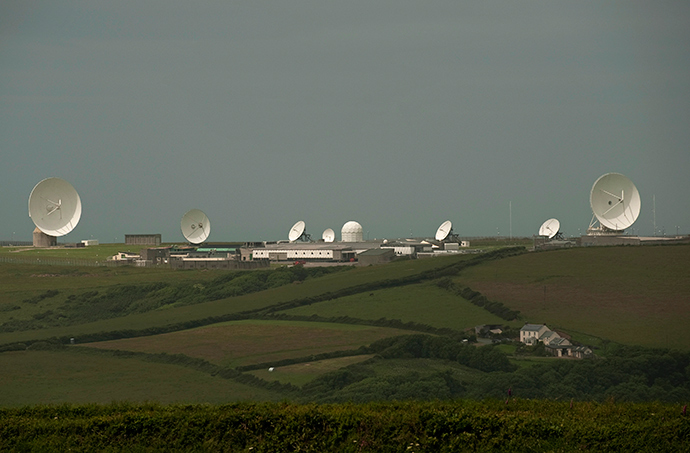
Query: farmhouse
x=555, y=344
x=530, y=333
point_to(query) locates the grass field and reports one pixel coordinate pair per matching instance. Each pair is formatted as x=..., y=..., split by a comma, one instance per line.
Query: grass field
x=239, y=343
x=633, y=295
x=423, y=303
x=94, y=253
x=67, y=376
x=424, y=367
x=20, y=283
x=301, y=373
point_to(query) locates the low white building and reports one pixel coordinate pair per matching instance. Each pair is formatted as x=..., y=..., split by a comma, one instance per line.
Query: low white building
x=125, y=256
x=317, y=251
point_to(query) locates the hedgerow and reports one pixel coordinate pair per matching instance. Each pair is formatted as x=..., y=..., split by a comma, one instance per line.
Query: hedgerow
x=478, y=299
x=459, y=426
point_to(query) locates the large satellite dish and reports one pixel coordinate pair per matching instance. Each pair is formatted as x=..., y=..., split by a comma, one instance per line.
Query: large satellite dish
x=297, y=232
x=444, y=230
x=328, y=235
x=54, y=206
x=550, y=228
x=196, y=226
x=615, y=202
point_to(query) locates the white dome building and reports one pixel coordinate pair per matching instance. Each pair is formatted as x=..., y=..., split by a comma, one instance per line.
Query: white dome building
x=352, y=232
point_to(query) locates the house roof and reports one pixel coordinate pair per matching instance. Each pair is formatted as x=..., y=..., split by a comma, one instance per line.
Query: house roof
x=584, y=349
x=559, y=343
x=532, y=327
x=549, y=334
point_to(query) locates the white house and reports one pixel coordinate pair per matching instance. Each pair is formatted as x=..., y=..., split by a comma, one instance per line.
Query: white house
x=558, y=346
x=531, y=333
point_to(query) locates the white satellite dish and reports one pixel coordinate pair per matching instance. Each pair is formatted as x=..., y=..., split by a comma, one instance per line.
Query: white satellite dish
x=54, y=206
x=328, y=235
x=444, y=230
x=196, y=226
x=297, y=232
x=615, y=202
x=550, y=228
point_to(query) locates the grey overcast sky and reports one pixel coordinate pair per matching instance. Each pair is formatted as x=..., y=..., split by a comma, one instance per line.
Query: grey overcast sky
x=398, y=114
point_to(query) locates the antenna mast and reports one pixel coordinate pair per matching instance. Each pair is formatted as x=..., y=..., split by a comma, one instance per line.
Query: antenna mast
x=654, y=211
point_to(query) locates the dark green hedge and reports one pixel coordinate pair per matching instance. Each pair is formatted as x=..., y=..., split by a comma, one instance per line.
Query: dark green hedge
x=459, y=426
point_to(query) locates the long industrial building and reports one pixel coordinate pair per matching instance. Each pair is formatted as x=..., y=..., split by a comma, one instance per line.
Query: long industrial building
x=313, y=251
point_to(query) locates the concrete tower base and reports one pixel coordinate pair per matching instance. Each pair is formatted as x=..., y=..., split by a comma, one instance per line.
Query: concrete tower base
x=43, y=240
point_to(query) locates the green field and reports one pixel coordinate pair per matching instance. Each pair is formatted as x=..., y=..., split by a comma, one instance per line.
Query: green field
x=423, y=303
x=68, y=376
x=94, y=254
x=240, y=343
x=301, y=373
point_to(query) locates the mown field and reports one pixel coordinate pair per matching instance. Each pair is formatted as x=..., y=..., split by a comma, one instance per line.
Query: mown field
x=249, y=342
x=393, y=332
x=71, y=376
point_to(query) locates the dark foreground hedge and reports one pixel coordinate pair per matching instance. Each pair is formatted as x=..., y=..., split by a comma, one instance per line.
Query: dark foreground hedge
x=516, y=425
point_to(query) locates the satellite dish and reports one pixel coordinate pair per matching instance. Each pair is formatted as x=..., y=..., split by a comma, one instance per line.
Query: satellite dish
x=54, y=206
x=444, y=230
x=615, y=201
x=550, y=228
x=196, y=226
x=297, y=232
x=328, y=235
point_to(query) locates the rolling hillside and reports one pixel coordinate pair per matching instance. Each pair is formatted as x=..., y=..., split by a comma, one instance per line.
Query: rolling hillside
x=381, y=332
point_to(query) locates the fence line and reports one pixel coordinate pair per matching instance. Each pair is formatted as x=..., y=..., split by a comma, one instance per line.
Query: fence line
x=56, y=261
x=16, y=243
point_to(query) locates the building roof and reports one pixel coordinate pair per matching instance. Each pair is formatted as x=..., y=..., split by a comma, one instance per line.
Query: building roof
x=584, y=349
x=559, y=342
x=533, y=327
x=376, y=252
x=306, y=246
x=548, y=334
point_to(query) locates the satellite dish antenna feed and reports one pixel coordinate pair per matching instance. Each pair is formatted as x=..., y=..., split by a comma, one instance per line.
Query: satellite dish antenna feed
x=444, y=231
x=550, y=228
x=54, y=206
x=297, y=232
x=328, y=235
x=615, y=202
x=196, y=226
